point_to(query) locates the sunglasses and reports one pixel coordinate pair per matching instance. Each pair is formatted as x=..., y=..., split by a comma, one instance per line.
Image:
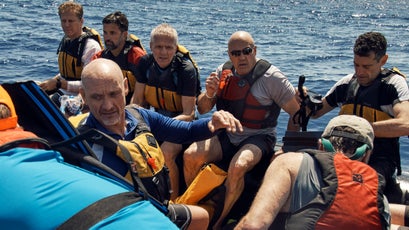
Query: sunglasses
x=245, y=51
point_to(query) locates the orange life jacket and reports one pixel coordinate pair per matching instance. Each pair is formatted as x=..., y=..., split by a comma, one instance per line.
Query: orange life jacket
x=9, y=130
x=350, y=198
x=9, y=122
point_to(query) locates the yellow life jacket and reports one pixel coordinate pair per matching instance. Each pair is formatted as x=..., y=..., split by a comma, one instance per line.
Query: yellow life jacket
x=70, y=54
x=367, y=105
x=169, y=98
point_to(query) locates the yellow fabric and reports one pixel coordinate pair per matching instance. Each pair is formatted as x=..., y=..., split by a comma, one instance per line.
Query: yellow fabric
x=146, y=153
x=368, y=113
x=131, y=79
x=9, y=122
x=169, y=100
x=137, y=41
x=76, y=120
x=186, y=52
x=68, y=66
x=209, y=177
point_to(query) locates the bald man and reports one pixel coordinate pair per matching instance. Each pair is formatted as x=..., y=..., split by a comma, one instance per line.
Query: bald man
x=104, y=89
x=254, y=91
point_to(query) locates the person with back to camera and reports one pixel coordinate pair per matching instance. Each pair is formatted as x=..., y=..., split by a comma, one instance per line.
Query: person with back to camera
x=254, y=91
x=330, y=188
x=380, y=96
x=168, y=80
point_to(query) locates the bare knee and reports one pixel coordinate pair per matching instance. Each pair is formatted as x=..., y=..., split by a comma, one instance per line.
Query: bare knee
x=170, y=150
x=200, y=218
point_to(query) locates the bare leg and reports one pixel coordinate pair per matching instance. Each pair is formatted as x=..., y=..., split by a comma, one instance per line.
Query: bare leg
x=200, y=218
x=199, y=153
x=170, y=152
x=243, y=161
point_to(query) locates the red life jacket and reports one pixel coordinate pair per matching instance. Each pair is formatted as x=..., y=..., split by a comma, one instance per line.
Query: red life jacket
x=234, y=96
x=351, y=197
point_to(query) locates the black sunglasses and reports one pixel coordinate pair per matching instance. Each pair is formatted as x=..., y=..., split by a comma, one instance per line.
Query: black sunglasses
x=245, y=51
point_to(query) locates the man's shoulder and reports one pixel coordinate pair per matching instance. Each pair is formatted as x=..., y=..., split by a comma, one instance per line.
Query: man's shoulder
x=91, y=43
x=146, y=60
x=136, y=112
x=135, y=54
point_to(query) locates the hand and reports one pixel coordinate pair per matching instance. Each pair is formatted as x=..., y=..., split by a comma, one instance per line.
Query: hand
x=298, y=95
x=212, y=82
x=223, y=119
x=49, y=85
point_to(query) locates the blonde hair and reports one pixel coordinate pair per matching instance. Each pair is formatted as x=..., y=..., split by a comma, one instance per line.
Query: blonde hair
x=71, y=6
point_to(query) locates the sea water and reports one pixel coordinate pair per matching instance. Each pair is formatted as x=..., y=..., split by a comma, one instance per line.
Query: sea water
x=304, y=37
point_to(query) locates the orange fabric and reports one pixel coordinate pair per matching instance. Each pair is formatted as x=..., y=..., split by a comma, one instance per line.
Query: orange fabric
x=14, y=134
x=18, y=133
x=10, y=122
x=355, y=204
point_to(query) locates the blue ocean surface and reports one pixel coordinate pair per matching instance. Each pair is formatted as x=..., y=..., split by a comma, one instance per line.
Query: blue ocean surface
x=304, y=37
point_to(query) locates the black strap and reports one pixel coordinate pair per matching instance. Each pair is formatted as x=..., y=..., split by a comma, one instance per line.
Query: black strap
x=301, y=114
x=100, y=210
x=98, y=137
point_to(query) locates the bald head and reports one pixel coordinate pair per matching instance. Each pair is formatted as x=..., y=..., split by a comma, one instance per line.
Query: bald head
x=103, y=90
x=100, y=69
x=241, y=37
x=242, y=52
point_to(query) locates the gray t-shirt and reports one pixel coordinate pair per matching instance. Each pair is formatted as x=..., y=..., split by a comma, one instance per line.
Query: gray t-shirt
x=273, y=87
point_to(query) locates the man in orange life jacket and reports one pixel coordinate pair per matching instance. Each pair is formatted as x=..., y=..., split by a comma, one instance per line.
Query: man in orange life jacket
x=334, y=189
x=76, y=49
x=254, y=91
x=123, y=48
x=379, y=95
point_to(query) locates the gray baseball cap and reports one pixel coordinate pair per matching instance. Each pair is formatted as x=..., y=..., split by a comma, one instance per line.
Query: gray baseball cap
x=365, y=133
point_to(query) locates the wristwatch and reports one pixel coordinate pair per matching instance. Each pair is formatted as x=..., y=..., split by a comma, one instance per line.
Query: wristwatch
x=58, y=85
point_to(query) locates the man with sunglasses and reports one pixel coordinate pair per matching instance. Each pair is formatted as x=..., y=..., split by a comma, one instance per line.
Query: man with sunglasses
x=254, y=91
x=123, y=48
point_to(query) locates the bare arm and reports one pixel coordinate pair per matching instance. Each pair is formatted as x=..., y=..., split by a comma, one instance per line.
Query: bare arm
x=50, y=84
x=291, y=107
x=274, y=192
x=396, y=127
x=397, y=214
x=188, y=104
x=325, y=109
x=138, y=96
x=207, y=99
